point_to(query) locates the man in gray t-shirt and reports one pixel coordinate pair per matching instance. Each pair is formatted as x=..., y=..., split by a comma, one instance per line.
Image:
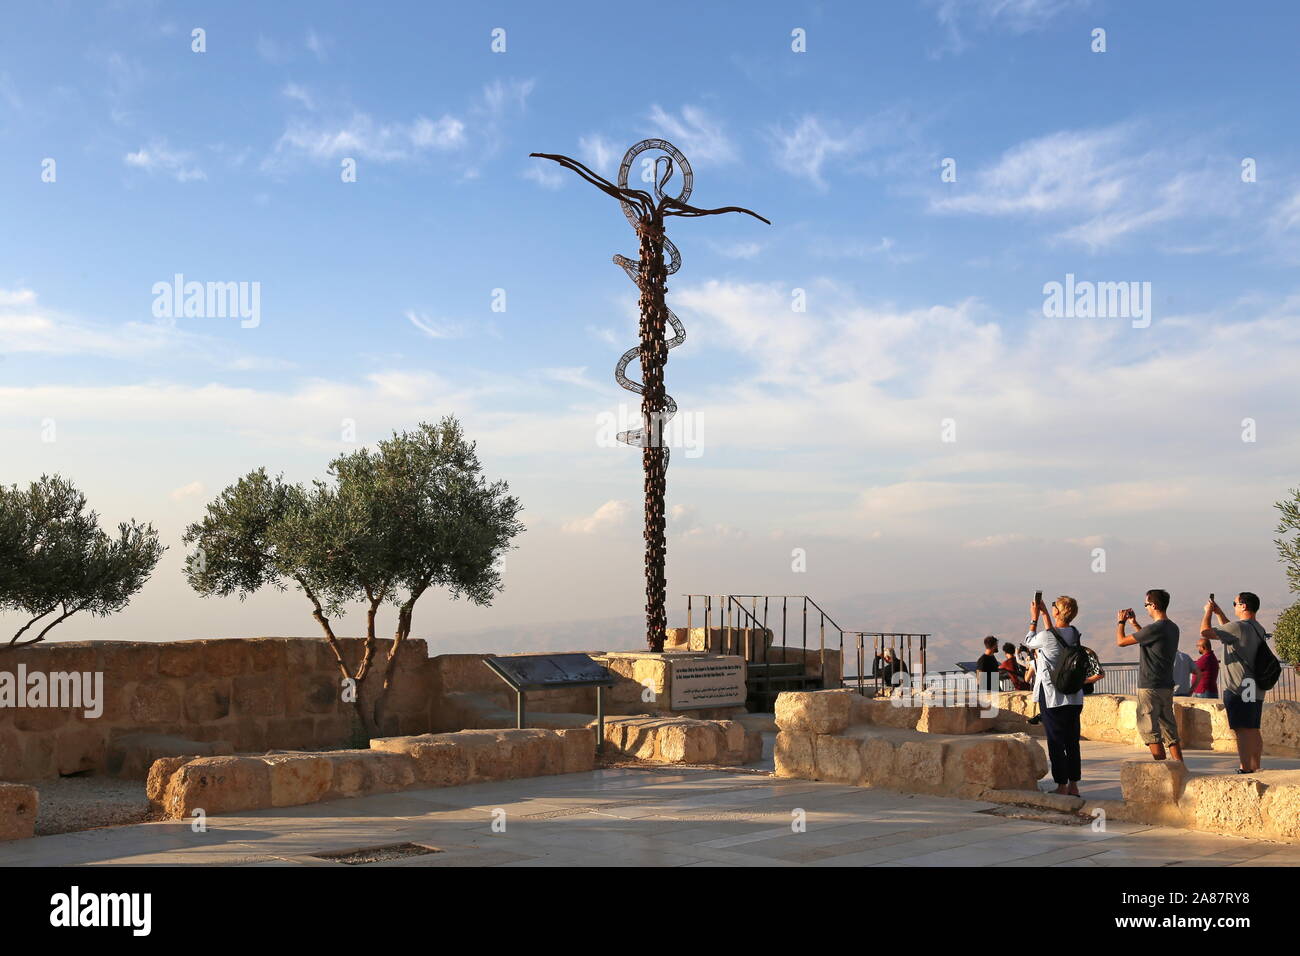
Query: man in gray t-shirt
x=1242, y=700
x=1157, y=647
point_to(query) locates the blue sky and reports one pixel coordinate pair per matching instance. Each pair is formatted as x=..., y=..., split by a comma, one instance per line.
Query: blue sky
x=820, y=429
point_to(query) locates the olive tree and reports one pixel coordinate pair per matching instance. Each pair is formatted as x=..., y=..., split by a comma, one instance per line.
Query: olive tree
x=1286, y=634
x=55, y=561
x=1288, y=548
x=392, y=523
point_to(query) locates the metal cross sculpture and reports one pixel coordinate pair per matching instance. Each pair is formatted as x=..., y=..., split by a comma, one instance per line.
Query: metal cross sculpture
x=646, y=213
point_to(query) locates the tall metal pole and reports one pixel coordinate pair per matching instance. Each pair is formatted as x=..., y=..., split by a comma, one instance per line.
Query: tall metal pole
x=646, y=213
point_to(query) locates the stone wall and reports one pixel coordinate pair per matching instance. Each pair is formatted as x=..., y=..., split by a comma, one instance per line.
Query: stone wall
x=255, y=694
x=819, y=739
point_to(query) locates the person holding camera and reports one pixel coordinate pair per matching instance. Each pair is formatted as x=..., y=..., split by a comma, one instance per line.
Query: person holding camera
x=1157, y=646
x=1242, y=699
x=1059, y=711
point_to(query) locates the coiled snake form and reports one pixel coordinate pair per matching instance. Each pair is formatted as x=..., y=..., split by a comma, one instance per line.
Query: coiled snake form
x=646, y=212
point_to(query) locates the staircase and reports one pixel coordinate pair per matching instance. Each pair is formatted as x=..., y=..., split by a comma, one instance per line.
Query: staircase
x=766, y=681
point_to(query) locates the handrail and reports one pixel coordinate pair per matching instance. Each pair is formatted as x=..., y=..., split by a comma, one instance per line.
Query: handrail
x=750, y=615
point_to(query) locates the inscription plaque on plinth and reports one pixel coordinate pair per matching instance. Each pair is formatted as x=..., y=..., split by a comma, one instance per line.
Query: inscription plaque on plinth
x=702, y=681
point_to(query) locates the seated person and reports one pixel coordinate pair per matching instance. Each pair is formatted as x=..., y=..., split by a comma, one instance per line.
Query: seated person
x=1012, y=668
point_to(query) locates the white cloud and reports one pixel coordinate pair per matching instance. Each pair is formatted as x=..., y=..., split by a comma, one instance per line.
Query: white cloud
x=611, y=514
x=500, y=95
x=737, y=250
x=1015, y=16
x=1103, y=184
x=435, y=328
x=194, y=489
x=697, y=134
x=360, y=136
x=573, y=376
x=300, y=95
x=317, y=44
x=159, y=158
x=545, y=174
x=805, y=150
x=599, y=154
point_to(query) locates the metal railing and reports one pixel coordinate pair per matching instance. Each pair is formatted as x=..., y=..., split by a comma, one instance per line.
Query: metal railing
x=735, y=619
x=1121, y=677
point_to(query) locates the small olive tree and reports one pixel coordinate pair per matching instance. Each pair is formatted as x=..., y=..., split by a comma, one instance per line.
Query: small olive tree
x=413, y=514
x=55, y=561
x=1288, y=548
x=1286, y=634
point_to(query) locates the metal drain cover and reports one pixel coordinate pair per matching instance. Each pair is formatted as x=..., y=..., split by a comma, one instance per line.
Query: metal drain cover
x=376, y=854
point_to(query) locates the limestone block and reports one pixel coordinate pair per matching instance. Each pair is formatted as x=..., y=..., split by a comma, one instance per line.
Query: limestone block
x=732, y=746
x=18, y=806
x=207, y=700
x=1280, y=807
x=359, y=772
x=753, y=747
x=997, y=763
x=80, y=748
x=578, y=745
x=1153, y=781
x=439, y=760
x=218, y=785
x=817, y=712
x=226, y=658
x=1280, y=728
x=259, y=695
x=877, y=761
x=920, y=763
x=882, y=712
x=688, y=741
x=794, y=755
x=1224, y=804
x=1100, y=719
x=838, y=758
x=155, y=702
x=298, y=778
x=160, y=774
x=953, y=720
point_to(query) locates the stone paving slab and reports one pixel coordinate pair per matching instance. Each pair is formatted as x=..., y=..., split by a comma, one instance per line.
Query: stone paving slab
x=637, y=817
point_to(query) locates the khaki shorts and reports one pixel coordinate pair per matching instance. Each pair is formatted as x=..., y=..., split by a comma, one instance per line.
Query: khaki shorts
x=1155, y=715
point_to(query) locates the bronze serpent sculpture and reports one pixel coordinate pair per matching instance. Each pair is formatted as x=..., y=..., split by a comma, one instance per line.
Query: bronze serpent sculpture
x=646, y=213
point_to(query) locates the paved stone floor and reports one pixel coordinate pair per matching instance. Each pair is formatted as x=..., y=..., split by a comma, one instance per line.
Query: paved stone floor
x=649, y=817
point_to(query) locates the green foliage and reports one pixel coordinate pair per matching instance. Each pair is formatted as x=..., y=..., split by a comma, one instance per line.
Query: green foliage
x=1286, y=634
x=1288, y=549
x=412, y=514
x=56, y=562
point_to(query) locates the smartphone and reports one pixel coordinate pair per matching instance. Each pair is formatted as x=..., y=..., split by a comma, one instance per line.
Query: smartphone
x=1038, y=598
x=1212, y=597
